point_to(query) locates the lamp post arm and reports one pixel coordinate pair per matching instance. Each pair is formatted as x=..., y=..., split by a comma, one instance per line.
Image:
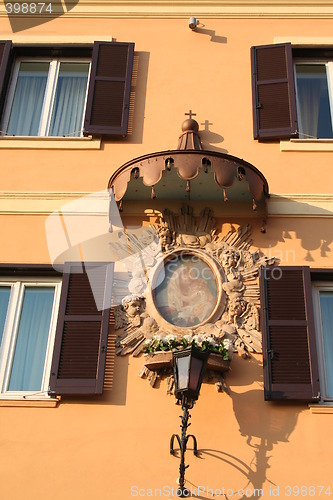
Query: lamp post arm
x=182, y=441
x=172, y=441
x=195, y=446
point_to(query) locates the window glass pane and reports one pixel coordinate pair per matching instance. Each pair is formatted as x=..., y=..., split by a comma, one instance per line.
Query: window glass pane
x=314, y=113
x=69, y=100
x=4, y=300
x=32, y=338
x=326, y=305
x=28, y=99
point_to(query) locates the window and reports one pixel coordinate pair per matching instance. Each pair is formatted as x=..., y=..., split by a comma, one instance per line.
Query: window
x=80, y=349
x=289, y=344
x=54, y=330
x=297, y=318
x=28, y=313
x=323, y=307
x=292, y=92
x=313, y=89
x=47, y=98
x=51, y=91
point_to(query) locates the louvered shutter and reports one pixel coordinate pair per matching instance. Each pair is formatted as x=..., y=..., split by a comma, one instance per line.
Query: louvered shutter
x=109, y=89
x=273, y=92
x=289, y=346
x=82, y=330
x=5, y=51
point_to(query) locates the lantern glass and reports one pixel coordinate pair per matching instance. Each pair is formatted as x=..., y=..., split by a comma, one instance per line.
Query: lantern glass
x=195, y=372
x=183, y=365
x=188, y=371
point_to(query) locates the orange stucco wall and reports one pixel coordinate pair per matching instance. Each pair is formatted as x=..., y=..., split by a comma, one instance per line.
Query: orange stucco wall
x=109, y=447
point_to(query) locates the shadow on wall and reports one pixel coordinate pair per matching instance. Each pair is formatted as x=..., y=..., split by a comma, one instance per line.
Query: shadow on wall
x=313, y=233
x=209, y=138
x=114, y=394
x=213, y=37
x=138, y=97
x=36, y=13
x=263, y=425
x=137, y=103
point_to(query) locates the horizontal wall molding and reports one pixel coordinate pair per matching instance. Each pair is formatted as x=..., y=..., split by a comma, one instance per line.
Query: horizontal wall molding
x=186, y=8
x=46, y=202
x=10, y=142
x=301, y=205
x=307, y=145
x=323, y=409
x=304, y=40
x=30, y=403
x=22, y=39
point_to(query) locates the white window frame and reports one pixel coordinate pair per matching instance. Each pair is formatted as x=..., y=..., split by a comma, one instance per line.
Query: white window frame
x=329, y=78
x=50, y=91
x=318, y=287
x=7, y=348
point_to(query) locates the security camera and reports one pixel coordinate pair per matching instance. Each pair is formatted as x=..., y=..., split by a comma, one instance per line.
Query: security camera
x=193, y=23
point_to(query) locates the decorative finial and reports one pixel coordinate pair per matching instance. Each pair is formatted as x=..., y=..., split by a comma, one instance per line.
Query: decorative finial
x=190, y=138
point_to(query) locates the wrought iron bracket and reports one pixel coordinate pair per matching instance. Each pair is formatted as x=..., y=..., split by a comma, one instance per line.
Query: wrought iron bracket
x=182, y=442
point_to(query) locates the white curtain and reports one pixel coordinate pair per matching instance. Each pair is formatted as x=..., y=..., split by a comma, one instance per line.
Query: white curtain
x=28, y=99
x=69, y=100
x=313, y=101
x=309, y=98
x=32, y=337
x=4, y=299
x=326, y=305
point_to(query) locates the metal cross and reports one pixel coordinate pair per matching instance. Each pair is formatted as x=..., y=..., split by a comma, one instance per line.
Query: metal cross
x=190, y=114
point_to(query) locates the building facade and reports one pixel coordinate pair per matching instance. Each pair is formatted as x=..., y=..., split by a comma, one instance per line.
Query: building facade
x=133, y=148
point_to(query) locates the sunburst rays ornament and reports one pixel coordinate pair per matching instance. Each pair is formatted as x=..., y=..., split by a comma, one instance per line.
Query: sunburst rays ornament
x=200, y=286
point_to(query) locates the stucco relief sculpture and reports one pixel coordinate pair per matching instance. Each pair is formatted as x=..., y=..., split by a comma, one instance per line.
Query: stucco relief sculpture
x=201, y=285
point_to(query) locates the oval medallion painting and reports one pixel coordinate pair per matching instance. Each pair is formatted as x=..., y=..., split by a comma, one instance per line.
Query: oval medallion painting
x=187, y=294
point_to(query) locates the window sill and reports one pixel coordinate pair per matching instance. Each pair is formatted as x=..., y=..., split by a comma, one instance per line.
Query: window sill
x=49, y=143
x=305, y=145
x=321, y=408
x=32, y=403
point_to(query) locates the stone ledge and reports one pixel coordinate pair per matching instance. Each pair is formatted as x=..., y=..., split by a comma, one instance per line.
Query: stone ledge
x=31, y=403
x=321, y=408
x=49, y=143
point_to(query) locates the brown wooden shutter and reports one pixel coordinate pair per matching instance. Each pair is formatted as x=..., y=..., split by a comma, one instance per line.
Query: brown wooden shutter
x=5, y=52
x=273, y=92
x=109, y=89
x=289, y=345
x=82, y=330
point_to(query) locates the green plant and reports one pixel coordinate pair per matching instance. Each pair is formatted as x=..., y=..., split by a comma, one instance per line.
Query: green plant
x=205, y=343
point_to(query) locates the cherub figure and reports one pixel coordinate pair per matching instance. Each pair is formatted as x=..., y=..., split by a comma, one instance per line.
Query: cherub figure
x=237, y=307
x=165, y=237
x=133, y=307
x=229, y=259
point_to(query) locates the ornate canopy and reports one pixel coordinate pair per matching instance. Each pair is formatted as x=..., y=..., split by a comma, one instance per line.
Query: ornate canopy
x=190, y=173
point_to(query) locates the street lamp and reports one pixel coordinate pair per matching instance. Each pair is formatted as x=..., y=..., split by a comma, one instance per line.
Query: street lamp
x=188, y=366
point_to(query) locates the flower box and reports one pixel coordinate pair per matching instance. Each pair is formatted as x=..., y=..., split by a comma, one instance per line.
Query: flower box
x=217, y=363
x=159, y=360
